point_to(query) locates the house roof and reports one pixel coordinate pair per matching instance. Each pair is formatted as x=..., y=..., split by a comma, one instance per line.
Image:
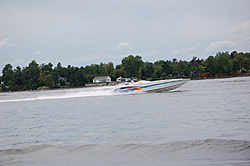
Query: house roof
x=102, y=77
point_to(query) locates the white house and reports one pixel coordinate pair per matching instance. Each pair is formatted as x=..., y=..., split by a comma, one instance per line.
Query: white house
x=102, y=79
x=120, y=79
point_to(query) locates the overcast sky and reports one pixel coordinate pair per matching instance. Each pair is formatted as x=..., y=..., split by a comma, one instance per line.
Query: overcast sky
x=83, y=32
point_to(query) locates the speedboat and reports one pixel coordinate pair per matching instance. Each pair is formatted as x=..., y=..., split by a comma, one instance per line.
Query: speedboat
x=150, y=86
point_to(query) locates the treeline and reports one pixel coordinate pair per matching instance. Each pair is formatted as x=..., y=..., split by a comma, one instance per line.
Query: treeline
x=34, y=75
x=222, y=62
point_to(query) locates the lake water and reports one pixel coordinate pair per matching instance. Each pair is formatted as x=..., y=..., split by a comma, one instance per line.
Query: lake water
x=203, y=122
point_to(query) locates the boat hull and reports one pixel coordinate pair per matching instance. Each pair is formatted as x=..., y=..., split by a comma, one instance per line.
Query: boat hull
x=151, y=86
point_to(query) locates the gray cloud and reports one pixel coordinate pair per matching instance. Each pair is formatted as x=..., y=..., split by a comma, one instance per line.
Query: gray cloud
x=11, y=45
x=122, y=45
x=110, y=30
x=74, y=41
x=3, y=42
x=38, y=52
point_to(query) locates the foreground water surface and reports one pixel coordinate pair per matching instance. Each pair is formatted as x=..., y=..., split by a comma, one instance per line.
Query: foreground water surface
x=205, y=122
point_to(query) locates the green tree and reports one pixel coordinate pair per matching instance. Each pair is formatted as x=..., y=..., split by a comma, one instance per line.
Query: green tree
x=117, y=73
x=77, y=77
x=148, y=69
x=7, y=75
x=8, y=78
x=81, y=77
x=118, y=66
x=6, y=68
x=143, y=74
x=158, y=71
x=223, y=63
x=43, y=67
x=233, y=54
x=109, y=68
x=235, y=64
x=96, y=69
x=72, y=76
x=181, y=67
x=200, y=69
x=163, y=75
x=167, y=67
x=154, y=76
x=247, y=64
x=210, y=65
x=55, y=76
x=41, y=79
x=17, y=78
x=193, y=63
x=102, y=69
x=241, y=59
x=59, y=65
x=131, y=65
x=88, y=70
x=49, y=80
x=174, y=64
x=59, y=71
x=31, y=75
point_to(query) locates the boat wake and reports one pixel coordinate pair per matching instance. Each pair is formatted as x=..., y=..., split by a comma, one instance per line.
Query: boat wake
x=189, y=152
x=57, y=94
x=136, y=88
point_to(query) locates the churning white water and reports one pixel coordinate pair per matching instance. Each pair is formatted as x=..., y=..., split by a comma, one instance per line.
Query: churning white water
x=57, y=94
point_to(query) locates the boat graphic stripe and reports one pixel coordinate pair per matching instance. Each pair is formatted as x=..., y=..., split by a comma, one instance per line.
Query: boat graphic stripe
x=148, y=86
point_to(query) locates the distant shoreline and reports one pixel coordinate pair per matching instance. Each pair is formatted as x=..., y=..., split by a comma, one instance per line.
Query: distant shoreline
x=204, y=78
x=44, y=88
